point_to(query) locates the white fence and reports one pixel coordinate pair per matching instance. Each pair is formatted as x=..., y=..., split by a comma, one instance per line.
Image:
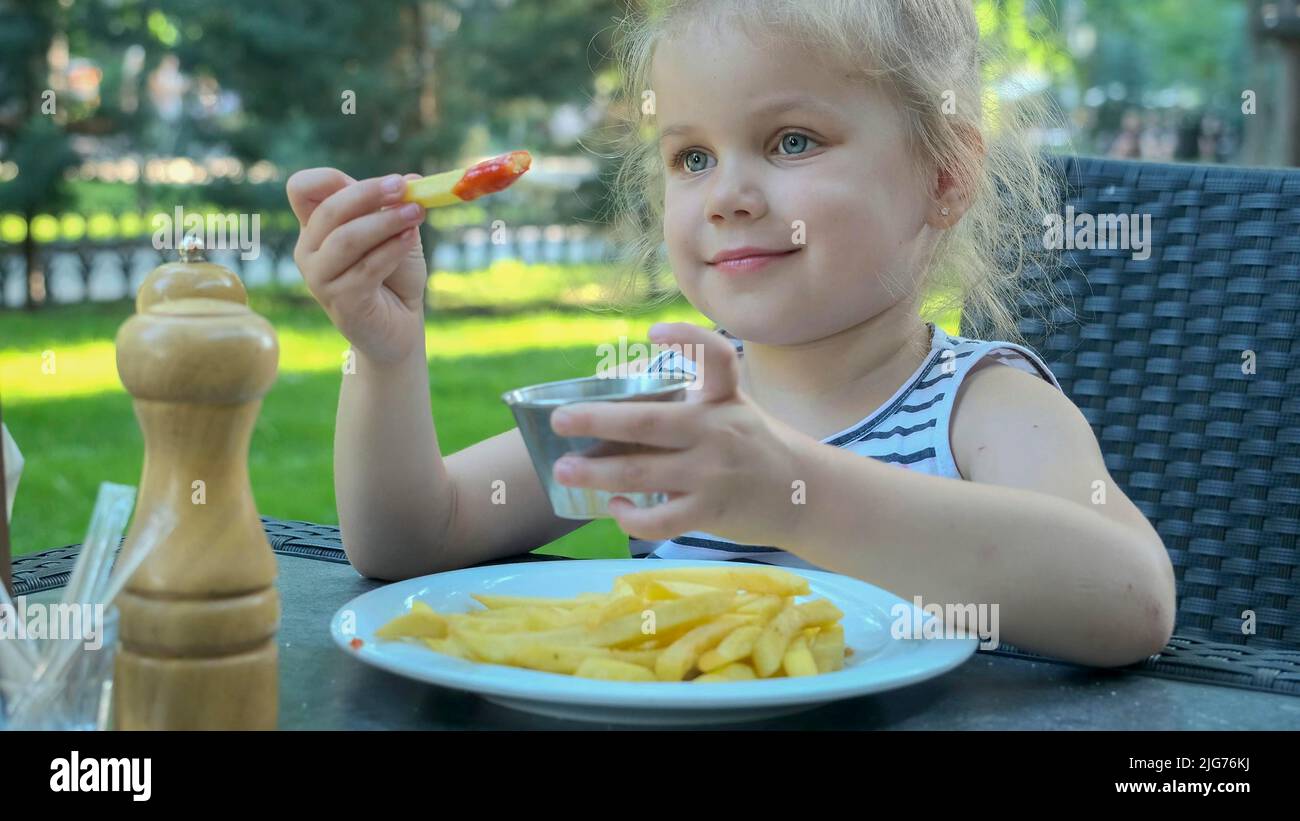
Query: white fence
x=104, y=271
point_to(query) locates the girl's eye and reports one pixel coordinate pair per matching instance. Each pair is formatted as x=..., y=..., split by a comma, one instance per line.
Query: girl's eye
x=693, y=160
x=792, y=142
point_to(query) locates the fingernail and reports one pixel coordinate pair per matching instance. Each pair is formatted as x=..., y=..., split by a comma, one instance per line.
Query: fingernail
x=564, y=467
x=392, y=184
x=409, y=212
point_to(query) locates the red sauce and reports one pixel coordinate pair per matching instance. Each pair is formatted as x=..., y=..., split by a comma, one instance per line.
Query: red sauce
x=356, y=644
x=492, y=175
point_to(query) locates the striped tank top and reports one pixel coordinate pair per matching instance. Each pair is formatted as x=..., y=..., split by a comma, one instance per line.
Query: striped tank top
x=909, y=430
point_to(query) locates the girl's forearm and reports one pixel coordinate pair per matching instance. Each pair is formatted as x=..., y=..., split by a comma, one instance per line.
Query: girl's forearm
x=392, y=488
x=1068, y=581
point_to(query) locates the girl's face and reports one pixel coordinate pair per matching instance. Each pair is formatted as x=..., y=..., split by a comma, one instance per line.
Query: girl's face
x=766, y=148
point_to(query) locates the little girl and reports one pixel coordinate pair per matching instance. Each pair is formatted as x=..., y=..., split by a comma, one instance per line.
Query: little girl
x=816, y=168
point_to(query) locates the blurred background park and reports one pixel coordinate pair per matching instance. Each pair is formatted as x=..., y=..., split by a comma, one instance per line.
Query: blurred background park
x=114, y=112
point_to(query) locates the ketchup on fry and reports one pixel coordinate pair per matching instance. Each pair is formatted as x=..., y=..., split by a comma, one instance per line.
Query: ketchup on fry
x=492, y=175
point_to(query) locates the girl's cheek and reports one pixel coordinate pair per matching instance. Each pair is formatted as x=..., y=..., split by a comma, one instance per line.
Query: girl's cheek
x=678, y=236
x=823, y=214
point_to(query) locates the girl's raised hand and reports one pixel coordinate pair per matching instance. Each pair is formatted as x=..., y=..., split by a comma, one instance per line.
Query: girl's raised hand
x=359, y=252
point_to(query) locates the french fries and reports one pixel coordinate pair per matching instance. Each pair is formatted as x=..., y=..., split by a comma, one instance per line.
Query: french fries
x=704, y=625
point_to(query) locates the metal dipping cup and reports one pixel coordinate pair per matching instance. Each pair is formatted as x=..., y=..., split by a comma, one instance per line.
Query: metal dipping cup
x=533, y=406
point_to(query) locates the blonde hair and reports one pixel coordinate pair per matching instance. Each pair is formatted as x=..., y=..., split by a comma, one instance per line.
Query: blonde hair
x=927, y=55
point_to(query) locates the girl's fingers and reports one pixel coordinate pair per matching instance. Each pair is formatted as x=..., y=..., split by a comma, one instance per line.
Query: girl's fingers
x=308, y=188
x=371, y=270
x=665, y=521
x=346, y=205
x=346, y=245
x=657, y=424
x=639, y=472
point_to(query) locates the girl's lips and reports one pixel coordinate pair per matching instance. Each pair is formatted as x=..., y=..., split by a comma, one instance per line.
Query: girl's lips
x=744, y=265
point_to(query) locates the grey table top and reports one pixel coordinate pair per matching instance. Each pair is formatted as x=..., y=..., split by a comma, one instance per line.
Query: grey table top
x=322, y=687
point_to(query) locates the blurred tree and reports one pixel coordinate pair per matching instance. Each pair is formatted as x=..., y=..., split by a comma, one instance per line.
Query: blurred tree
x=1150, y=55
x=1025, y=36
x=30, y=137
x=388, y=85
x=1158, y=44
x=39, y=116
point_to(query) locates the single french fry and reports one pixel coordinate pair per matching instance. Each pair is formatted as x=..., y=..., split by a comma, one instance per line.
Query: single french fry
x=668, y=589
x=465, y=184
x=555, y=658
x=613, y=670
x=770, y=647
x=765, y=606
x=494, y=602
x=736, y=646
x=514, y=623
x=828, y=648
x=645, y=658
x=448, y=646
x=507, y=613
x=553, y=617
x=818, y=612
x=547, y=618
x=749, y=579
x=616, y=607
x=415, y=623
x=798, y=659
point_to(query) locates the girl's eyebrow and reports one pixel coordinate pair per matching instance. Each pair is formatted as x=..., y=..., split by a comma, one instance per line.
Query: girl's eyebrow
x=778, y=105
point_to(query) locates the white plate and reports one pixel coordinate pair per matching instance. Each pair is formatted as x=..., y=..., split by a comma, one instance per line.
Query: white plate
x=879, y=661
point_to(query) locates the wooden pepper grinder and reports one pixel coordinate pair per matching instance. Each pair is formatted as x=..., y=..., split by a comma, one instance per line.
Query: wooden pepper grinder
x=192, y=276
x=198, y=620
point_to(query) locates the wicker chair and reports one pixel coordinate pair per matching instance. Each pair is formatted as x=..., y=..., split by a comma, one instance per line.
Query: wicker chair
x=1158, y=354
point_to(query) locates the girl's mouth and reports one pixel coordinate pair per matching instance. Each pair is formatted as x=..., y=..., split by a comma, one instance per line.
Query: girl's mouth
x=750, y=261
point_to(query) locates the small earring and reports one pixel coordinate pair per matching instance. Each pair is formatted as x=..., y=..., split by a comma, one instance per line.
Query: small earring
x=944, y=212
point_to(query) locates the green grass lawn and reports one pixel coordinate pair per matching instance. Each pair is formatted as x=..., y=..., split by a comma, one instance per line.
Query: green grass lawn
x=76, y=427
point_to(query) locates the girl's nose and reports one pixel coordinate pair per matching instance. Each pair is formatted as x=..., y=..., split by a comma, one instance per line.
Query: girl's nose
x=735, y=196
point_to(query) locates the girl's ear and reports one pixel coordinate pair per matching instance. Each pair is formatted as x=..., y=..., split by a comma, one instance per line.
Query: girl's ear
x=953, y=191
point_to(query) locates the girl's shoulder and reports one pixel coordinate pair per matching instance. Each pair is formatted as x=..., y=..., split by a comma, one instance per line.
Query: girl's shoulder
x=996, y=408
x=964, y=356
